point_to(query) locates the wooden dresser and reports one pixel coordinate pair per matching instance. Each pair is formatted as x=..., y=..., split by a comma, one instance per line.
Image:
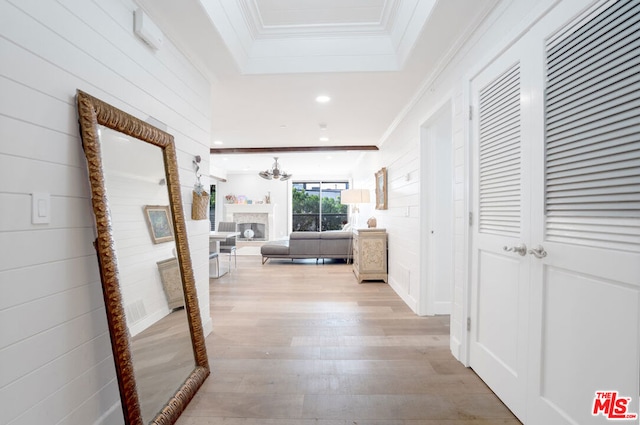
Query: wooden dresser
x=370, y=254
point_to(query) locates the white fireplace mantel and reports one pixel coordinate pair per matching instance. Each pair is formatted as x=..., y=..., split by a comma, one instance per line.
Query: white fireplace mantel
x=268, y=209
x=247, y=208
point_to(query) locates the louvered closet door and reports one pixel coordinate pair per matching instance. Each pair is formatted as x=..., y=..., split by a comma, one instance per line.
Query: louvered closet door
x=586, y=216
x=500, y=274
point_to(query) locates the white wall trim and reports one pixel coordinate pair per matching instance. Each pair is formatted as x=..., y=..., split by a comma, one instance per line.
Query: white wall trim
x=465, y=335
x=402, y=293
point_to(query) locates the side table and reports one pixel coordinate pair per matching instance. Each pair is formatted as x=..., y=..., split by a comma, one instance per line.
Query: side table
x=370, y=254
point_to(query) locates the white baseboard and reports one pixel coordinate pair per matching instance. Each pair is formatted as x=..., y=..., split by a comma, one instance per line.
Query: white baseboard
x=454, y=345
x=408, y=299
x=136, y=328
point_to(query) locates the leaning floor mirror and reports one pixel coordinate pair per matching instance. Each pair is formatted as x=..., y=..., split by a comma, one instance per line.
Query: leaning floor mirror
x=145, y=266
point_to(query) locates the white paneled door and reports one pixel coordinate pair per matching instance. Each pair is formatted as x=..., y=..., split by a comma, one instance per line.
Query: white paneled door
x=585, y=292
x=500, y=264
x=555, y=322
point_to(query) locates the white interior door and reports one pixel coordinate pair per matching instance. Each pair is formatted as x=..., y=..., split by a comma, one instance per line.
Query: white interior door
x=553, y=329
x=585, y=334
x=500, y=267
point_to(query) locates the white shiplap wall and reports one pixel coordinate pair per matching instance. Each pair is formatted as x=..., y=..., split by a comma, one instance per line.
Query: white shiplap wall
x=56, y=365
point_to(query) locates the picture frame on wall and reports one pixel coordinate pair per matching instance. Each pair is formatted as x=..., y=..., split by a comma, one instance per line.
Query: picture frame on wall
x=381, y=189
x=158, y=220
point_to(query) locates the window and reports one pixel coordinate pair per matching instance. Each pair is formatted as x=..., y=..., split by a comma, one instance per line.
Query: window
x=317, y=207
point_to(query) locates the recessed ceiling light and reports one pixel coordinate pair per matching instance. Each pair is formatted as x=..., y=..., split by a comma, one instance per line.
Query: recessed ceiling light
x=323, y=99
x=324, y=139
x=218, y=142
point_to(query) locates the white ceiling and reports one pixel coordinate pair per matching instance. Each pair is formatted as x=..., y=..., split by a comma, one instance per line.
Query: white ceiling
x=269, y=59
x=293, y=36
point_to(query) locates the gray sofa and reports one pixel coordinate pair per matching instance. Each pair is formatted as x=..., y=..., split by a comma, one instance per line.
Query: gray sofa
x=318, y=245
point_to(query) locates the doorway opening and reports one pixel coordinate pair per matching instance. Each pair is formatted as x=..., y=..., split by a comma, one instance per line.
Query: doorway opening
x=436, y=213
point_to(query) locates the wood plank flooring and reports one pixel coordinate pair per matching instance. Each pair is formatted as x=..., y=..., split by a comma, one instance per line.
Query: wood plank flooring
x=160, y=367
x=303, y=343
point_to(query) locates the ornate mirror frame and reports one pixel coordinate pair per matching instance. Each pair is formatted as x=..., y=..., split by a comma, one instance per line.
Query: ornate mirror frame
x=91, y=113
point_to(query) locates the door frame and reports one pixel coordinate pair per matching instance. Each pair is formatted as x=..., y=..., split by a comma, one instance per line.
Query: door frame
x=426, y=303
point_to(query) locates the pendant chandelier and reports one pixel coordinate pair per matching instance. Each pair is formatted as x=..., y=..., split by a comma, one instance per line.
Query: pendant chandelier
x=275, y=173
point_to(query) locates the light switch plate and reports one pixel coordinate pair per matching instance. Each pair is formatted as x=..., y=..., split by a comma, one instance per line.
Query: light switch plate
x=40, y=208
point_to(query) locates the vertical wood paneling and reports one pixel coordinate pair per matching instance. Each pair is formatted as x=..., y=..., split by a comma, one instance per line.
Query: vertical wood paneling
x=63, y=369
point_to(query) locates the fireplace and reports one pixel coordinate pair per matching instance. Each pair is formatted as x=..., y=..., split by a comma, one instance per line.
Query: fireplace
x=257, y=222
x=252, y=231
x=257, y=217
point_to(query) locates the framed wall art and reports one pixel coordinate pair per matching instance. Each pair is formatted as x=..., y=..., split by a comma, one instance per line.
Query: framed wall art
x=381, y=189
x=159, y=222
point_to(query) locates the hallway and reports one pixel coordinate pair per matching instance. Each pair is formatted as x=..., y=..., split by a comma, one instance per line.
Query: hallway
x=300, y=343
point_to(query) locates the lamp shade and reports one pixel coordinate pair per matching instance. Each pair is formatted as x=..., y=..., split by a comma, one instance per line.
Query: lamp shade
x=354, y=196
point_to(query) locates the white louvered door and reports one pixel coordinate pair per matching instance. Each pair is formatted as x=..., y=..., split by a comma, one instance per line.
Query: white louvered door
x=586, y=292
x=500, y=267
x=569, y=309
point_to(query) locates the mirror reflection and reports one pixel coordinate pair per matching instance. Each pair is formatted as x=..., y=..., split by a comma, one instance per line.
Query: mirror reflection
x=148, y=270
x=141, y=242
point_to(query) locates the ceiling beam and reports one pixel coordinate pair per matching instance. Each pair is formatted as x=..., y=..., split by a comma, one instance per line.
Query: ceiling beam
x=293, y=149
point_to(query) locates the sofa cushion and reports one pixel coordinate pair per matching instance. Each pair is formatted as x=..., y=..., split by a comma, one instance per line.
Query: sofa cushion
x=304, y=235
x=336, y=234
x=304, y=247
x=328, y=244
x=336, y=244
x=275, y=248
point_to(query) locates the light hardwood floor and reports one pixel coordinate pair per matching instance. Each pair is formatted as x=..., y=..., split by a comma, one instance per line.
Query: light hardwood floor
x=161, y=368
x=300, y=343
